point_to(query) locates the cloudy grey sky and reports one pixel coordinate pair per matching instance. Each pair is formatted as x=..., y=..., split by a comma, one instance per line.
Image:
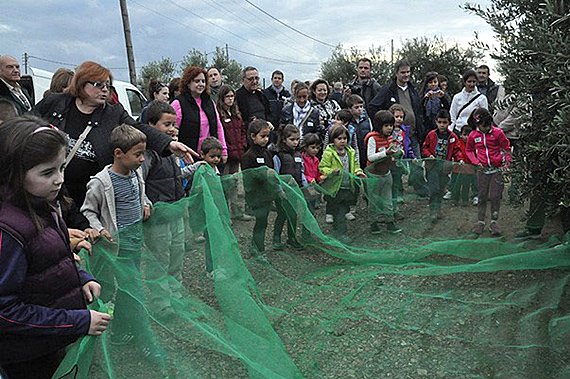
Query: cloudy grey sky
x=71, y=31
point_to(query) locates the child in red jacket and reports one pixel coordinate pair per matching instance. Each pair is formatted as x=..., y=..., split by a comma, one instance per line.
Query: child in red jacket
x=489, y=149
x=440, y=147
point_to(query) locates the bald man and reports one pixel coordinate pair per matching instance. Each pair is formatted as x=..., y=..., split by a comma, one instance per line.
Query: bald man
x=10, y=89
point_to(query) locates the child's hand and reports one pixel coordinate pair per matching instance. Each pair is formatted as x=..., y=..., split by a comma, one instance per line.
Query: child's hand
x=362, y=175
x=146, y=212
x=99, y=323
x=105, y=233
x=91, y=291
x=76, y=233
x=92, y=234
x=84, y=244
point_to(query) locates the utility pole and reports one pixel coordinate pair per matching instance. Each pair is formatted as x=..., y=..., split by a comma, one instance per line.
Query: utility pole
x=26, y=63
x=391, y=51
x=227, y=53
x=128, y=41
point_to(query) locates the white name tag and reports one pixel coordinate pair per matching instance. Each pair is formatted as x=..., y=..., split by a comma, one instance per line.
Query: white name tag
x=298, y=159
x=451, y=140
x=260, y=160
x=478, y=139
x=310, y=123
x=227, y=120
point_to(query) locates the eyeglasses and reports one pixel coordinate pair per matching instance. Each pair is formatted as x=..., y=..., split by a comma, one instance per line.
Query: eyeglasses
x=101, y=85
x=253, y=79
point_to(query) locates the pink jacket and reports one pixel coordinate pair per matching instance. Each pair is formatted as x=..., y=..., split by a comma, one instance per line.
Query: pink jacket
x=312, y=172
x=490, y=149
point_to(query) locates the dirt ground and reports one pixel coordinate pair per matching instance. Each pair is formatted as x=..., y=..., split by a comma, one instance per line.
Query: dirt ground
x=344, y=320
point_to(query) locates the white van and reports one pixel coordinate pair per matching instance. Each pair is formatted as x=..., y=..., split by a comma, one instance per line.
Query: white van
x=129, y=96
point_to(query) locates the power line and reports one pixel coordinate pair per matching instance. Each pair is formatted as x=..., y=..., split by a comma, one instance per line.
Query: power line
x=288, y=26
x=229, y=31
x=245, y=22
x=222, y=42
x=273, y=59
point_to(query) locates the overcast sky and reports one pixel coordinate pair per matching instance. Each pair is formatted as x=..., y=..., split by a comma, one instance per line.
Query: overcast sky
x=71, y=31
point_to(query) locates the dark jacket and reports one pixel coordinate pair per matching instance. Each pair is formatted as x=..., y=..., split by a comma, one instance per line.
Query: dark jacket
x=42, y=308
x=55, y=107
x=258, y=183
x=242, y=96
x=8, y=95
x=190, y=124
x=367, y=91
x=291, y=164
x=162, y=177
x=388, y=95
x=491, y=90
x=311, y=124
x=276, y=101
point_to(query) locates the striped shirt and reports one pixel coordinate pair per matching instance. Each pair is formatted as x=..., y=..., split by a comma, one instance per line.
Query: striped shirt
x=128, y=204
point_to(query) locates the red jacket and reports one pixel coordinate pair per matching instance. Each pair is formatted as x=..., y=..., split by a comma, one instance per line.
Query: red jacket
x=453, y=149
x=490, y=149
x=376, y=145
x=312, y=172
x=235, y=135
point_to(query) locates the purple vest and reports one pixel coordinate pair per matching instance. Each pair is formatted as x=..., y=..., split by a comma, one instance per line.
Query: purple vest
x=52, y=279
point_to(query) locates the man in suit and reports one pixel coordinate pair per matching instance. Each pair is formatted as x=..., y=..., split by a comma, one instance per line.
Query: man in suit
x=10, y=89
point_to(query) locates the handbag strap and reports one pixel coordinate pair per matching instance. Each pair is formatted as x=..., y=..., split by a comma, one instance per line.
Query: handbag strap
x=468, y=104
x=78, y=143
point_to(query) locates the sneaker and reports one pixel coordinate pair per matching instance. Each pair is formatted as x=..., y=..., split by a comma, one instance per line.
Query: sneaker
x=399, y=200
x=434, y=216
x=245, y=217
x=375, y=228
x=278, y=246
x=200, y=238
x=217, y=274
x=479, y=227
x=528, y=234
x=447, y=196
x=349, y=216
x=329, y=219
x=494, y=228
x=295, y=245
x=392, y=228
x=475, y=200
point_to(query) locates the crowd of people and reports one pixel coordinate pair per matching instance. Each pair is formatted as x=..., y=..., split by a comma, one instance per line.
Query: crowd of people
x=327, y=138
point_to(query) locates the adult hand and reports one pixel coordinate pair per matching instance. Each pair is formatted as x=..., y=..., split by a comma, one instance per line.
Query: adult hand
x=183, y=151
x=99, y=323
x=91, y=291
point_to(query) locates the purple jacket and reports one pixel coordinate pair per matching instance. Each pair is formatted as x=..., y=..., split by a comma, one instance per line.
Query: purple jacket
x=42, y=308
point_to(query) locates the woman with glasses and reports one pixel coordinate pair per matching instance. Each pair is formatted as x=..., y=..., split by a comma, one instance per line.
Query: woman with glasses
x=85, y=103
x=196, y=114
x=156, y=91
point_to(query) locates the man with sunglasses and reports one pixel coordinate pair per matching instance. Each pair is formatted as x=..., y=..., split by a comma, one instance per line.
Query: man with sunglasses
x=10, y=89
x=251, y=100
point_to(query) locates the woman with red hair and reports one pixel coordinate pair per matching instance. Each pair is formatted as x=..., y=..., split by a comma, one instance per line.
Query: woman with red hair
x=86, y=103
x=196, y=114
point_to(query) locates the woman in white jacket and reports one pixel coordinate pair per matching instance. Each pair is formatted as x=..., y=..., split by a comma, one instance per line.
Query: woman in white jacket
x=466, y=101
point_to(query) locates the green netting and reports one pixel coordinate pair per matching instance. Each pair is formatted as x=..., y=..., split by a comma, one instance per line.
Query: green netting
x=431, y=301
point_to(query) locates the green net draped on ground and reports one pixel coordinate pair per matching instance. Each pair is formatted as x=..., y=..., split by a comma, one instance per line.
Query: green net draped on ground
x=431, y=301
